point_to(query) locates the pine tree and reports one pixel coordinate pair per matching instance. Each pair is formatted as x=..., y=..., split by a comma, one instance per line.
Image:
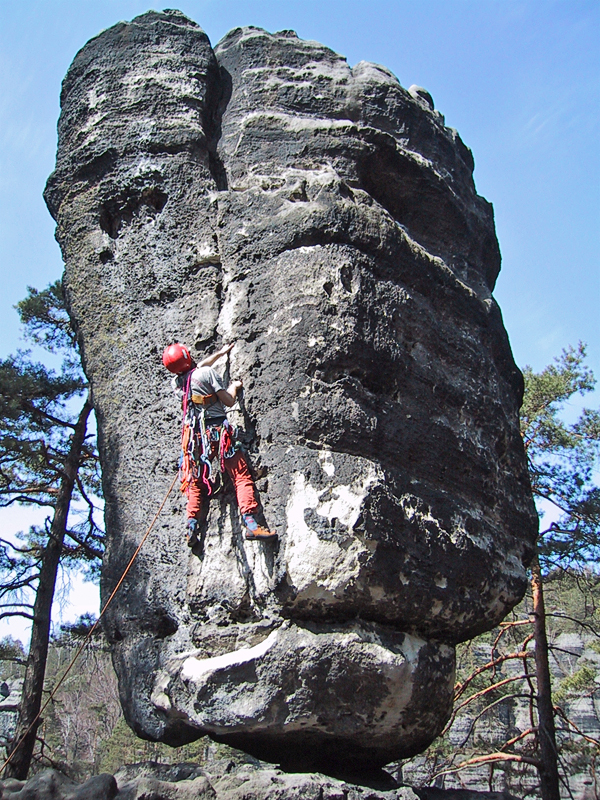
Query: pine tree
x=47, y=459
x=561, y=458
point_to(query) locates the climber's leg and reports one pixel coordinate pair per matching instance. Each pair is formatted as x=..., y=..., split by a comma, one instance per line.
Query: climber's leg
x=194, y=500
x=239, y=472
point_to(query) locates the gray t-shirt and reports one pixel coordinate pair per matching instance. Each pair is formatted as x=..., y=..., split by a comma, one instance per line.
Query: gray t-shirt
x=205, y=380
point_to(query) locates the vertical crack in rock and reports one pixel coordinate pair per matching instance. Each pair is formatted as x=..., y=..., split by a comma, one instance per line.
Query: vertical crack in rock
x=325, y=219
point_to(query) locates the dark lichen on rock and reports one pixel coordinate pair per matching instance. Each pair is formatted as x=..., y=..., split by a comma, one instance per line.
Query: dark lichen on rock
x=325, y=219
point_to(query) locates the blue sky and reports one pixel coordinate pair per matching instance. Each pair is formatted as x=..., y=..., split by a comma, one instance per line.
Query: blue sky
x=519, y=79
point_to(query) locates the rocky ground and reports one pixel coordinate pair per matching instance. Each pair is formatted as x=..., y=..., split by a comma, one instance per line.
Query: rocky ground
x=223, y=780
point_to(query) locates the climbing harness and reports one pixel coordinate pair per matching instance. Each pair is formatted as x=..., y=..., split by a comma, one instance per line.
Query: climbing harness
x=205, y=400
x=91, y=631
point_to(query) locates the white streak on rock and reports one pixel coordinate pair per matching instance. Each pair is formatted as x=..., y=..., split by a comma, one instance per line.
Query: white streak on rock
x=235, y=295
x=159, y=698
x=327, y=462
x=195, y=668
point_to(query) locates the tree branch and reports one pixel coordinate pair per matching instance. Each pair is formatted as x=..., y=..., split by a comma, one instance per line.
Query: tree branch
x=459, y=689
x=482, y=693
x=8, y=614
x=559, y=711
x=25, y=500
x=491, y=757
x=518, y=738
x=90, y=550
x=488, y=708
x=585, y=625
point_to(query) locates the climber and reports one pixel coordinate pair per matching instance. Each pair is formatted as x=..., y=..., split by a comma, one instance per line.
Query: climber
x=206, y=434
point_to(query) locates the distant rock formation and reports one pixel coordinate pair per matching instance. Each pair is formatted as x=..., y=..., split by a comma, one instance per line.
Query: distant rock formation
x=10, y=697
x=326, y=220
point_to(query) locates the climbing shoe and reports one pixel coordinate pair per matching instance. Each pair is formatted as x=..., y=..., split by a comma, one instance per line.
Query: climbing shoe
x=256, y=531
x=193, y=530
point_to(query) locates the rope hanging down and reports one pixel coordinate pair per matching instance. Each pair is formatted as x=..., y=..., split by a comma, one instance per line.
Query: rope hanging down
x=92, y=629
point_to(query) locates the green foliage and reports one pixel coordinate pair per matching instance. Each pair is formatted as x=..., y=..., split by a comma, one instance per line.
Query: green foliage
x=37, y=411
x=124, y=747
x=79, y=630
x=562, y=457
x=582, y=679
x=574, y=597
x=12, y=658
x=45, y=318
x=35, y=428
x=36, y=406
x=84, y=710
x=11, y=650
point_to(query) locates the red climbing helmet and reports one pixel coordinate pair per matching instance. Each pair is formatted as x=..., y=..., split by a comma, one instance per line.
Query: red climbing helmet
x=176, y=358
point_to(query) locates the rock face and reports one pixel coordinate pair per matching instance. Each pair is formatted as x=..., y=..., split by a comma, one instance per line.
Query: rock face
x=326, y=220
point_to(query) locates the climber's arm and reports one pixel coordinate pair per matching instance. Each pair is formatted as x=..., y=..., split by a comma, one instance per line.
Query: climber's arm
x=229, y=396
x=210, y=360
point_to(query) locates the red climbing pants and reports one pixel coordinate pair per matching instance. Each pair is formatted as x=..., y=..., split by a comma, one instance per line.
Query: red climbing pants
x=238, y=471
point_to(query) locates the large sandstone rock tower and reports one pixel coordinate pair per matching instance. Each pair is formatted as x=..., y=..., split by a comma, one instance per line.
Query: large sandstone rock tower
x=325, y=219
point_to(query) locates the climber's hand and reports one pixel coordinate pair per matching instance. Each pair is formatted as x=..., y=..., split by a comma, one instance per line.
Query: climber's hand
x=226, y=349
